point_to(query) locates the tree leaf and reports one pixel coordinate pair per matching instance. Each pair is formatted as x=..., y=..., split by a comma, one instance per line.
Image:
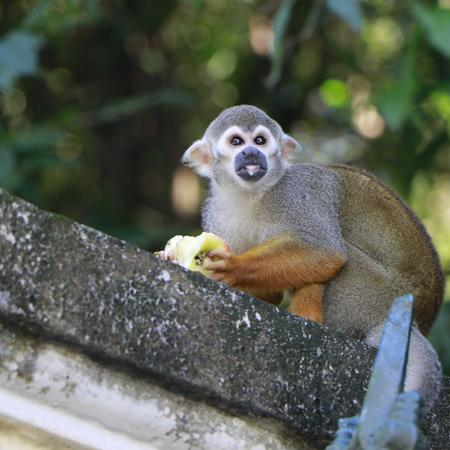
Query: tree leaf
x=280, y=23
x=124, y=107
x=395, y=104
x=436, y=23
x=7, y=162
x=396, y=101
x=349, y=10
x=40, y=138
x=52, y=17
x=37, y=13
x=18, y=56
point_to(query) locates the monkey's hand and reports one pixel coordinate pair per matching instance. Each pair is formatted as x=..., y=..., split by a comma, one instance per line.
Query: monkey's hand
x=190, y=251
x=165, y=256
x=221, y=265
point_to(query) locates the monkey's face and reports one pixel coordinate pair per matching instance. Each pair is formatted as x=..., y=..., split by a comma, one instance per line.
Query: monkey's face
x=249, y=156
x=245, y=155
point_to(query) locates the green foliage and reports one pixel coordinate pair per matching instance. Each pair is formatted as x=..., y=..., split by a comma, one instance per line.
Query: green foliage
x=397, y=100
x=37, y=139
x=436, y=23
x=18, y=56
x=280, y=24
x=349, y=10
x=122, y=108
x=54, y=17
x=439, y=336
x=24, y=154
x=439, y=102
x=7, y=163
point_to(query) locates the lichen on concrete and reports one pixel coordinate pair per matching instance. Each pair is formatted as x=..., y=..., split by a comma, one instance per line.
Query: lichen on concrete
x=74, y=284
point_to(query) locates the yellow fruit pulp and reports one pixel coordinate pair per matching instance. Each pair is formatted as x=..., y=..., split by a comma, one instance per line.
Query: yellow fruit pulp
x=190, y=251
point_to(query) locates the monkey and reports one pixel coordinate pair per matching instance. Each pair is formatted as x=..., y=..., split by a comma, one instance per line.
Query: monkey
x=334, y=240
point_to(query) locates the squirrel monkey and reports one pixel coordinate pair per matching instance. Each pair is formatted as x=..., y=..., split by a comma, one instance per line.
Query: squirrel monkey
x=335, y=240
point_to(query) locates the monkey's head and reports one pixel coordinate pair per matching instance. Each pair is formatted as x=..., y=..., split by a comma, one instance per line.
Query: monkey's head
x=243, y=146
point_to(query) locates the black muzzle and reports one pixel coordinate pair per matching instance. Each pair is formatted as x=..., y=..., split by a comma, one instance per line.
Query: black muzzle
x=250, y=164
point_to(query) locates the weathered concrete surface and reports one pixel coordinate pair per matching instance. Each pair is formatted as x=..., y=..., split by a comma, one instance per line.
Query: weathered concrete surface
x=59, y=399
x=72, y=283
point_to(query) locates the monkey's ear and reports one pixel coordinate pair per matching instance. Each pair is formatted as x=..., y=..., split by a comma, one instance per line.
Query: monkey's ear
x=199, y=157
x=290, y=148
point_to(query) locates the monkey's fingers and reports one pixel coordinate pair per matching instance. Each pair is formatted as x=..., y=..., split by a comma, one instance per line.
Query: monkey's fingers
x=161, y=255
x=165, y=256
x=217, y=276
x=220, y=265
x=219, y=254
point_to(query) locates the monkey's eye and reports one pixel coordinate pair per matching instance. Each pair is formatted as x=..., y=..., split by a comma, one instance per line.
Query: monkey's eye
x=260, y=140
x=236, y=140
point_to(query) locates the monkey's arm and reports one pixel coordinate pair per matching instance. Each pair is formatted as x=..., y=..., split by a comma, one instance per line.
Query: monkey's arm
x=276, y=265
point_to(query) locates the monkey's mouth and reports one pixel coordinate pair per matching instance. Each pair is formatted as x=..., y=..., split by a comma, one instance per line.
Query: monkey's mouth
x=251, y=172
x=250, y=164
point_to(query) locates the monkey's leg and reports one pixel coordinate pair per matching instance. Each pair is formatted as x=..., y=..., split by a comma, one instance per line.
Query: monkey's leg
x=423, y=370
x=276, y=265
x=268, y=296
x=307, y=302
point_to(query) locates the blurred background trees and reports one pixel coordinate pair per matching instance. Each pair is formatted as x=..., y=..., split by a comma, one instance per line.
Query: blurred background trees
x=99, y=99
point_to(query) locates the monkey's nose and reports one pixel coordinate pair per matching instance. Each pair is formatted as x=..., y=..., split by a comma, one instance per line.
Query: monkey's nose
x=250, y=152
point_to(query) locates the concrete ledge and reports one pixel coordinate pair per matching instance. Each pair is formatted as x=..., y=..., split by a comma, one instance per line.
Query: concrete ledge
x=64, y=281
x=53, y=398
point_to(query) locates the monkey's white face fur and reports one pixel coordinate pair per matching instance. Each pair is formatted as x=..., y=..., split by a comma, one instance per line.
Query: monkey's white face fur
x=251, y=156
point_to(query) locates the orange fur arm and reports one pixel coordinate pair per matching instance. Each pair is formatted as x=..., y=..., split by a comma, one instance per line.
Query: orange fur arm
x=276, y=265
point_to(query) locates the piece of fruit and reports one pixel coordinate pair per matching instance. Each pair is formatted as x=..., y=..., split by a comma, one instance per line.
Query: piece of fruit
x=190, y=251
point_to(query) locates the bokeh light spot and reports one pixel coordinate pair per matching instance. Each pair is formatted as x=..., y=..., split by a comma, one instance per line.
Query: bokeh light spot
x=151, y=60
x=185, y=192
x=440, y=103
x=224, y=95
x=261, y=35
x=383, y=37
x=69, y=148
x=334, y=93
x=14, y=104
x=369, y=122
x=222, y=64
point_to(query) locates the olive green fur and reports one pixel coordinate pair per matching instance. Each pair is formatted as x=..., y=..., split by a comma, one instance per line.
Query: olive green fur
x=381, y=230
